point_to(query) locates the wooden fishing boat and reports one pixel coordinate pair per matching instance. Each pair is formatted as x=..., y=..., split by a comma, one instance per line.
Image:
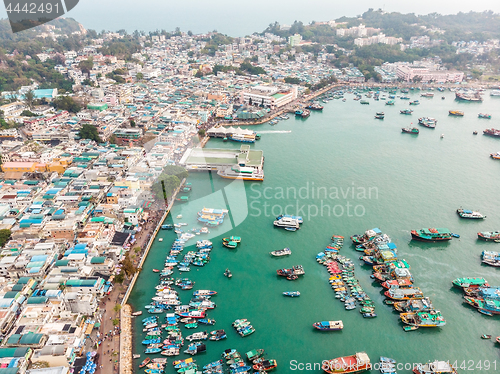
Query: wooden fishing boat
x=291, y=293
x=348, y=364
x=328, y=325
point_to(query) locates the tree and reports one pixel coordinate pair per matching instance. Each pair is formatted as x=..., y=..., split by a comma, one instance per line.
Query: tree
x=29, y=99
x=120, y=278
x=132, y=123
x=27, y=113
x=66, y=103
x=139, y=76
x=116, y=322
x=4, y=236
x=86, y=65
x=89, y=132
x=201, y=132
x=117, y=308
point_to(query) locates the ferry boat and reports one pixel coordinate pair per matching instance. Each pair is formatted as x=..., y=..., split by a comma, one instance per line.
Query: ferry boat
x=470, y=282
x=243, y=138
x=329, y=325
x=484, y=115
x=289, y=224
x=431, y=318
x=404, y=293
x=427, y=122
x=347, y=364
x=412, y=130
x=489, y=235
x=496, y=156
x=470, y=214
x=242, y=172
x=466, y=96
x=406, y=111
x=436, y=367
x=491, y=258
x=281, y=252
x=457, y=113
x=492, y=132
x=431, y=234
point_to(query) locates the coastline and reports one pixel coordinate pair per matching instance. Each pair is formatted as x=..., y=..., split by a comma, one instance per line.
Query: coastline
x=127, y=337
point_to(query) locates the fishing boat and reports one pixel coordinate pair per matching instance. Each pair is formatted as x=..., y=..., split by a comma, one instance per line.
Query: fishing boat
x=193, y=314
x=491, y=258
x=431, y=234
x=484, y=336
x=291, y=293
x=457, y=113
x=298, y=218
x=364, y=102
x=254, y=354
x=227, y=273
x=172, y=351
x=167, y=226
x=265, y=365
x=489, y=236
x=328, y=325
x=431, y=318
x=379, y=116
x=314, y=106
x=406, y=111
x=428, y=122
x=397, y=283
x=152, y=350
x=404, y=293
x=468, y=96
x=470, y=282
x=195, y=348
x=414, y=305
x=492, y=132
x=138, y=313
x=236, y=239
x=470, y=214
x=281, y=252
x=390, y=102
x=348, y=364
x=410, y=328
x=415, y=102
x=291, y=274
x=410, y=130
x=484, y=115
x=427, y=94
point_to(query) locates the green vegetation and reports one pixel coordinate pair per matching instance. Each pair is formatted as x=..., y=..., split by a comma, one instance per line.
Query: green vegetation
x=27, y=113
x=86, y=65
x=213, y=43
x=121, y=48
x=89, y=132
x=168, y=181
x=250, y=69
x=4, y=236
x=292, y=80
x=66, y=103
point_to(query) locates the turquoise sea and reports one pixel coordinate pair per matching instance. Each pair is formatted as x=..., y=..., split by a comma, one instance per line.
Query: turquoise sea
x=400, y=182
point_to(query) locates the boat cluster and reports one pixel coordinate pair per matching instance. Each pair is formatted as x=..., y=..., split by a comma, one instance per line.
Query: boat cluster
x=231, y=242
x=236, y=364
x=154, y=366
x=289, y=223
x=212, y=217
x=480, y=295
x=343, y=282
x=199, y=258
x=387, y=365
x=243, y=327
x=394, y=276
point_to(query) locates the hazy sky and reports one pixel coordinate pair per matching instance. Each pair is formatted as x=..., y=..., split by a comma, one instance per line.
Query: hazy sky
x=238, y=18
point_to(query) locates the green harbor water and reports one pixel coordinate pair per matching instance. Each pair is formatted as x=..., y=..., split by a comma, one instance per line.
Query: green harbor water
x=400, y=182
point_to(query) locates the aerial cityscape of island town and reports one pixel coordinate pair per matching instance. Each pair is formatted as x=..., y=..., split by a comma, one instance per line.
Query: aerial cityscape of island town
x=135, y=169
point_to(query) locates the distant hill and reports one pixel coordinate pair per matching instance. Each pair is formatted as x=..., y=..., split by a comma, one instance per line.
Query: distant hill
x=64, y=26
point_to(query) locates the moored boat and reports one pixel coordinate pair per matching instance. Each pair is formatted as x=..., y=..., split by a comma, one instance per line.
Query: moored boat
x=489, y=236
x=328, y=325
x=435, y=367
x=431, y=318
x=410, y=130
x=432, y=234
x=470, y=282
x=348, y=364
x=495, y=156
x=291, y=293
x=281, y=252
x=492, y=132
x=484, y=115
x=457, y=113
x=470, y=214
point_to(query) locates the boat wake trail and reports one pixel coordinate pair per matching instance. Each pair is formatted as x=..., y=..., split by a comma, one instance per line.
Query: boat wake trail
x=275, y=132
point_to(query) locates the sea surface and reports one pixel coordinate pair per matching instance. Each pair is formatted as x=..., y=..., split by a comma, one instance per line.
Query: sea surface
x=400, y=182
